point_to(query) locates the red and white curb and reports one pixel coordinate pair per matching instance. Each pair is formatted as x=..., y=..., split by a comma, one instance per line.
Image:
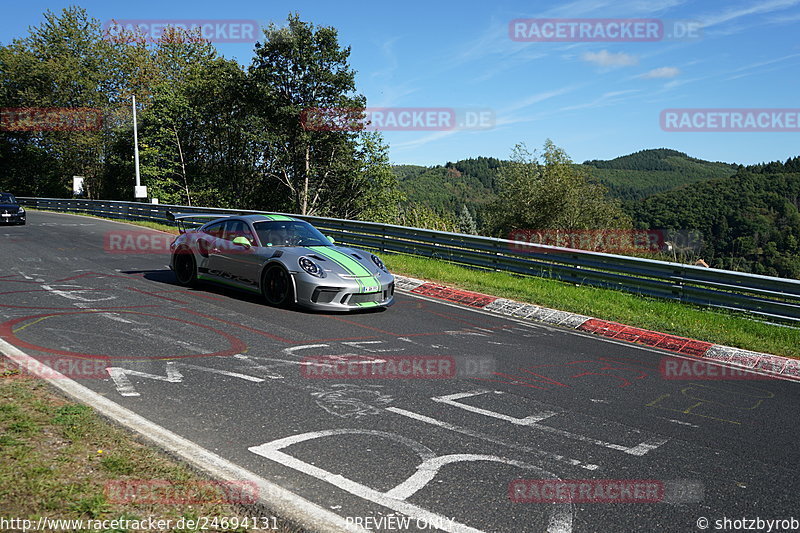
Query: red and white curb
x=762, y=362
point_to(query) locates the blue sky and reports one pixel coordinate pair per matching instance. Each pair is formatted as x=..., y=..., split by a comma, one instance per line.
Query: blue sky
x=597, y=100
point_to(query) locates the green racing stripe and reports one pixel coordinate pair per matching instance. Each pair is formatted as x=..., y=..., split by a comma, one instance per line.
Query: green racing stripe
x=352, y=266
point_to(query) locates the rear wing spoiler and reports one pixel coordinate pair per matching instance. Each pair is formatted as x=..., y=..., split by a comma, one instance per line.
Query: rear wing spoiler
x=180, y=218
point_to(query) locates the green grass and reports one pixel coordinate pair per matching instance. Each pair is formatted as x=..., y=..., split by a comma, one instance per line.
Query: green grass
x=649, y=313
x=56, y=457
x=702, y=323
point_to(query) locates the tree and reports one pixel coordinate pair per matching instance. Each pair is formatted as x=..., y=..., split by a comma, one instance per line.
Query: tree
x=550, y=193
x=377, y=197
x=466, y=222
x=58, y=65
x=297, y=69
x=420, y=216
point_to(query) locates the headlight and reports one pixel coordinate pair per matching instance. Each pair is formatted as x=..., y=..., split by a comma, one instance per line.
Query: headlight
x=21, y=211
x=311, y=267
x=379, y=263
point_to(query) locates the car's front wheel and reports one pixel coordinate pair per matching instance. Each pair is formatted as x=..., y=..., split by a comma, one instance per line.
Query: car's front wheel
x=276, y=285
x=185, y=267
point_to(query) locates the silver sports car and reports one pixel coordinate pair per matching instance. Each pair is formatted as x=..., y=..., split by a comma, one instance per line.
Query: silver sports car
x=285, y=259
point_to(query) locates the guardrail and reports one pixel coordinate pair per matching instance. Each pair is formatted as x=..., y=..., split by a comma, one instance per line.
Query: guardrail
x=770, y=297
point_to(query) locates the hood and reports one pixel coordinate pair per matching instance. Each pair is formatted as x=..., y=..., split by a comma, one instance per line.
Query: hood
x=348, y=263
x=11, y=208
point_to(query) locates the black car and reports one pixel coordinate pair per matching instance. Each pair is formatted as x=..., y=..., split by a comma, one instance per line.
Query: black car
x=10, y=211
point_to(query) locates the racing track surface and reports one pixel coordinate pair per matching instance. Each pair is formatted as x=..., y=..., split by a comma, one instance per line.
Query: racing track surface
x=530, y=402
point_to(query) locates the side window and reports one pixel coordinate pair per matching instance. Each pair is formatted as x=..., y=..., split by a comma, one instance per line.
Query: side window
x=215, y=230
x=238, y=228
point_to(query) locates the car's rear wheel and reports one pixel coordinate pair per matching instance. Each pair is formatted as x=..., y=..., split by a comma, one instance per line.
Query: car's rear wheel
x=276, y=285
x=185, y=267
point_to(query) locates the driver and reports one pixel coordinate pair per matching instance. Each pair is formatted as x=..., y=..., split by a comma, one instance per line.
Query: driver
x=280, y=236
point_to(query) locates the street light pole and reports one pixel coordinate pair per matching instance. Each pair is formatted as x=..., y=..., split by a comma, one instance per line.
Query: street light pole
x=138, y=190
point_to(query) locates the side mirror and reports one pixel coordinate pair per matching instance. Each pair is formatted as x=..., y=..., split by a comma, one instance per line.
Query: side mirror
x=330, y=239
x=242, y=241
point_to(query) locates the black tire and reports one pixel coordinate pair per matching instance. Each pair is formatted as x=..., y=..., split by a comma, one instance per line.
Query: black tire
x=276, y=286
x=185, y=267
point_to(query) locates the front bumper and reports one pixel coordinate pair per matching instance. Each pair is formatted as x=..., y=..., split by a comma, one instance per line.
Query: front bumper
x=341, y=294
x=12, y=218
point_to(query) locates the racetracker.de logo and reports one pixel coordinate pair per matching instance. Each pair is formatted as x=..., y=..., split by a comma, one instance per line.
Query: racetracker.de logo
x=396, y=119
x=213, y=30
x=50, y=119
x=563, y=30
x=611, y=241
x=586, y=491
x=137, y=242
x=388, y=367
x=730, y=120
x=686, y=369
x=154, y=491
x=56, y=367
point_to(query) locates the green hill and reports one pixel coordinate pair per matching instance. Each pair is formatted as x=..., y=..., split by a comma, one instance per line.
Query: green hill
x=444, y=189
x=749, y=222
x=641, y=174
x=473, y=182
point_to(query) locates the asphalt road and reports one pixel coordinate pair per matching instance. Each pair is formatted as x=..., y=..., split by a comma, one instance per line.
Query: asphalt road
x=526, y=402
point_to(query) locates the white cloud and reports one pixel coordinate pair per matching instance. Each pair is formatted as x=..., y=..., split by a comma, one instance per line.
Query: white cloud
x=662, y=72
x=606, y=59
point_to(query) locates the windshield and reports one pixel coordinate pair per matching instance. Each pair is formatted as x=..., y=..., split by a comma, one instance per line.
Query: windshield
x=289, y=233
x=6, y=198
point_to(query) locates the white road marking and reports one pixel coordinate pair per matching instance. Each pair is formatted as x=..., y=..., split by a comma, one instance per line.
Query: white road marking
x=465, y=332
x=24, y=275
x=73, y=294
x=527, y=421
x=223, y=372
x=292, y=349
x=64, y=224
x=358, y=344
x=488, y=438
x=173, y=375
x=126, y=388
x=560, y=518
x=680, y=422
x=115, y=317
x=638, y=450
x=267, y=370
